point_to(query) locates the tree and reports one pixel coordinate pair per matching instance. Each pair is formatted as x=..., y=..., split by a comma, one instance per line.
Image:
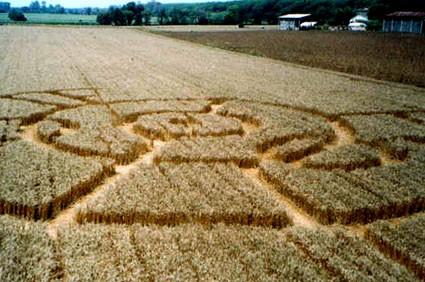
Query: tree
x=35, y=7
x=118, y=17
x=138, y=19
x=16, y=15
x=129, y=16
x=147, y=17
x=43, y=6
x=343, y=15
x=133, y=11
x=162, y=16
x=104, y=18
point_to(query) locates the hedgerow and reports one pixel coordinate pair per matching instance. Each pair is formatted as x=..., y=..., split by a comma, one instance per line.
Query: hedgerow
x=37, y=182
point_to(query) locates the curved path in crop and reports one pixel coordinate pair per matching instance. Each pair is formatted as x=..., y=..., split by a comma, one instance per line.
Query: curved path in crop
x=93, y=67
x=343, y=136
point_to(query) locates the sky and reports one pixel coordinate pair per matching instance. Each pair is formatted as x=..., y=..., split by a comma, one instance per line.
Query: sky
x=93, y=3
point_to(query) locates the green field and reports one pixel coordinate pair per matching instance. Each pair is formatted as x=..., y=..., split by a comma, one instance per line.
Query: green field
x=35, y=18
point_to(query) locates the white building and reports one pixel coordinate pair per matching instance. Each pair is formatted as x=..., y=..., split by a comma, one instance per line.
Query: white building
x=358, y=23
x=292, y=21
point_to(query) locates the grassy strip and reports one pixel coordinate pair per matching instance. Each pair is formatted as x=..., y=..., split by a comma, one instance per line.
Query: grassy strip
x=403, y=240
x=53, y=19
x=37, y=183
x=27, y=253
x=129, y=111
x=209, y=149
x=26, y=111
x=202, y=193
x=347, y=157
x=346, y=257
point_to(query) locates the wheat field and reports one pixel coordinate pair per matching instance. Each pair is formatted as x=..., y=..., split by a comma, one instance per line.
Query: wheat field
x=128, y=156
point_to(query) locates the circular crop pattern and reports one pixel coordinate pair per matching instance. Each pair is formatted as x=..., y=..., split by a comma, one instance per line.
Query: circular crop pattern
x=319, y=164
x=205, y=162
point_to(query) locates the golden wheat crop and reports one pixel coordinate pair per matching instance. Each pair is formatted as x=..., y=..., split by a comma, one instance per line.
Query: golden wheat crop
x=186, y=193
x=38, y=182
x=47, y=98
x=165, y=160
x=27, y=253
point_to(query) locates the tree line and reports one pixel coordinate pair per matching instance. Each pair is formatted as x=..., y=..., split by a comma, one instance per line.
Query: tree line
x=44, y=7
x=332, y=12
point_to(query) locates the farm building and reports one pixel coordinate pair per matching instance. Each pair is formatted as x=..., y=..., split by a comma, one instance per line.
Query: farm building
x=405, y=22
x=4, y=7
x=292, y=21
x=360, y=21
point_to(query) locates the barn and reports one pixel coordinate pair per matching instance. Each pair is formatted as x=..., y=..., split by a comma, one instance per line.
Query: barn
x=292, y=21
x=404, y=22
